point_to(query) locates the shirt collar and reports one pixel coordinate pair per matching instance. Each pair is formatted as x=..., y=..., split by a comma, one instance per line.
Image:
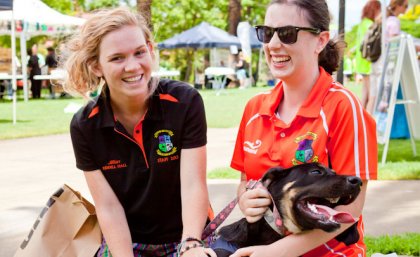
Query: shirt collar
x=106, y=115
x=311, y=107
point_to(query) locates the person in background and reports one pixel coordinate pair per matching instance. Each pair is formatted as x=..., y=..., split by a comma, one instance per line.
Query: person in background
x=395, y=8
x=141, y=143
x=241, y=68
x=51, y=62
x=392, y=23
x=307, y=117
x=370, y=12
x=34, y=68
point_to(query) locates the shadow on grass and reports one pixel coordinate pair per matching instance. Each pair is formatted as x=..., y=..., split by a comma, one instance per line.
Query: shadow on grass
x=3, y=121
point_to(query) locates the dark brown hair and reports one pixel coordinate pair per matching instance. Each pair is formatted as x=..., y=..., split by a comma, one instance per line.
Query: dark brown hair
x=317, y=14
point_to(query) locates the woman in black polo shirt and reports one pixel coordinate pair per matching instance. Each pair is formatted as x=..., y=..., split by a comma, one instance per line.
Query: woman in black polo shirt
x=141, y=143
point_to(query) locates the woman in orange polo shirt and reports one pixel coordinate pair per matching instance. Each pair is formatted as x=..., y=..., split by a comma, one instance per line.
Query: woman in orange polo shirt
x=307, y=117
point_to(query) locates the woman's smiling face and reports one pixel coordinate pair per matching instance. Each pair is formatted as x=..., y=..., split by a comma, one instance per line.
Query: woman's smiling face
x=125, y=61
x=288, y=60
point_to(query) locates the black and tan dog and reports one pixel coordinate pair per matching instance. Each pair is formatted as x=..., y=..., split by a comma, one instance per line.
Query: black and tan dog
x=305, y=196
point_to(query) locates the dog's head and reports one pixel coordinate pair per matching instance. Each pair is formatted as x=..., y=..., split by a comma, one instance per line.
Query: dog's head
x=306, y=195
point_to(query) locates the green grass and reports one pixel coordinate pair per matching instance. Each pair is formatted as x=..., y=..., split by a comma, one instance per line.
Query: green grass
x=405, y=244
x=35, y=118
x=401, y=164
x=46, y=117
x=224, y=173
x=225, y=110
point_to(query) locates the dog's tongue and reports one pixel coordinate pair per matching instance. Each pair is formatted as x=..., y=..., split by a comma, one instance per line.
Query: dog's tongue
x=340, y=217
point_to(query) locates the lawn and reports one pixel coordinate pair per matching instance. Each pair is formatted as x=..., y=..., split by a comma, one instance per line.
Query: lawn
x=36, y=117
x=47, y=116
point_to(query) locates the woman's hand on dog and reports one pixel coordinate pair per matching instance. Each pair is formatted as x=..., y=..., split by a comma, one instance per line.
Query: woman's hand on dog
x=254, y=203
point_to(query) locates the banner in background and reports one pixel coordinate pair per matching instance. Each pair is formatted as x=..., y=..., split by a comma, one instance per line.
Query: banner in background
x=6, y=5
x=243, y=34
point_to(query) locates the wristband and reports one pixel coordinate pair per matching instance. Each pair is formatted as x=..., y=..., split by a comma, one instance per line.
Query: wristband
x=181, y=250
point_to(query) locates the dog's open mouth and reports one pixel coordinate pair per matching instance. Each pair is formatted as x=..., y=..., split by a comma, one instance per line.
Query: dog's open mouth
x=321, y=209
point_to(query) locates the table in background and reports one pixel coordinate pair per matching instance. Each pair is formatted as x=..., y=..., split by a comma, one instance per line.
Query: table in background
x=166, y=73
x=219, y=75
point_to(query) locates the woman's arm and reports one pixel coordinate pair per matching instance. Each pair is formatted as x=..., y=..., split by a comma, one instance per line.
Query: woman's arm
x=194, y=195
x=110, y=214
x=298, y=244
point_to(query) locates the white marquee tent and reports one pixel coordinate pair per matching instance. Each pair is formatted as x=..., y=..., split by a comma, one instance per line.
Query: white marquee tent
x=29, y=18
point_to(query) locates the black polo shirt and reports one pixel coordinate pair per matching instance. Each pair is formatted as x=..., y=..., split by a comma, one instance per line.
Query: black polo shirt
x=144, y=173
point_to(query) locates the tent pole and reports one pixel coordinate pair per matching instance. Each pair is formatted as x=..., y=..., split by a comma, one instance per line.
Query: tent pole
x=341, y=31
x=14, y=68
x=24, y=62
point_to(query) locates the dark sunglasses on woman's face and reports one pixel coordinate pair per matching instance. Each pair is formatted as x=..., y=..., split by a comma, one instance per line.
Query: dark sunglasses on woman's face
x=287, y=34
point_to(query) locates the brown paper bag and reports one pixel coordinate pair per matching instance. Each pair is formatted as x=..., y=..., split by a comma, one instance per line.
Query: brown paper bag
x=66, y=227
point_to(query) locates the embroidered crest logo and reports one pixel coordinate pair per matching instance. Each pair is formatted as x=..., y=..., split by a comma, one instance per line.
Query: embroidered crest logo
x=166, y=147
x=305, y=152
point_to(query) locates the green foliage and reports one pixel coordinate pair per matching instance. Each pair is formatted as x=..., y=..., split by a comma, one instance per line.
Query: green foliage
x=173, y=16
x=411, y=27
x=97, y=4
x=72, y=7
x=350, y=38
x=405, y=244
x=412, y=13
x=63, y=6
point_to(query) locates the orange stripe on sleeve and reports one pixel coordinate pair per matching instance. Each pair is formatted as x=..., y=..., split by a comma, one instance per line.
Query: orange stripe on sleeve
x=168, y=98
x=94, y=112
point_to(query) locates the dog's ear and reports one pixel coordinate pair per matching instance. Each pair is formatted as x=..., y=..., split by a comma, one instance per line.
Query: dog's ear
x=276, y=173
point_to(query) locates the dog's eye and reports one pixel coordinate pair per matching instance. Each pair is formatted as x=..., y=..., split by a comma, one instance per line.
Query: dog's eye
x=316, y=172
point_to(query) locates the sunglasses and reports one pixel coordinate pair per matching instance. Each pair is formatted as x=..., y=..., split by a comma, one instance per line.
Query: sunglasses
x=287, y=34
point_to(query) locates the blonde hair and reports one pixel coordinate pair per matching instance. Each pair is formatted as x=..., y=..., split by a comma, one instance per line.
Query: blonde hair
x=82, y=50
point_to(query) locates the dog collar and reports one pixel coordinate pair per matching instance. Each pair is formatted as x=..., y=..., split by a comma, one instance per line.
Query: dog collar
x=269, y=218
x=273, y=218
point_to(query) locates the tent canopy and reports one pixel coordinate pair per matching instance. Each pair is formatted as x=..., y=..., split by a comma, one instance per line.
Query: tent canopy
x=203, y=35
x=36, y=18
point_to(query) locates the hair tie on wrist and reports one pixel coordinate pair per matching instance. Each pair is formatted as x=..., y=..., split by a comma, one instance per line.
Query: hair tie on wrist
x=181, y=250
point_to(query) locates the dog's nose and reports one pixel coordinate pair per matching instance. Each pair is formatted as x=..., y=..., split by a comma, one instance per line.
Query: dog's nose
x=354, y=181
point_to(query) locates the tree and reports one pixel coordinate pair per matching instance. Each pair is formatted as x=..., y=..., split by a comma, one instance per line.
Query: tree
x=234, y=16
x=144, y=7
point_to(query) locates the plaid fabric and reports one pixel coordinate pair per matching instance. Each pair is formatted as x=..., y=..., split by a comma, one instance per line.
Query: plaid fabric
x=148, y=250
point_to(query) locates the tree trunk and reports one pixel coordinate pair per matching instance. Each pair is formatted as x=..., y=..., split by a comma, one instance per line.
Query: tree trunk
x=234, y=16
x=190, y=63
x=144, y=8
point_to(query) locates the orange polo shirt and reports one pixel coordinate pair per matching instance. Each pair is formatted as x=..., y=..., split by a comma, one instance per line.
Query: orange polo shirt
x=331, y=127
